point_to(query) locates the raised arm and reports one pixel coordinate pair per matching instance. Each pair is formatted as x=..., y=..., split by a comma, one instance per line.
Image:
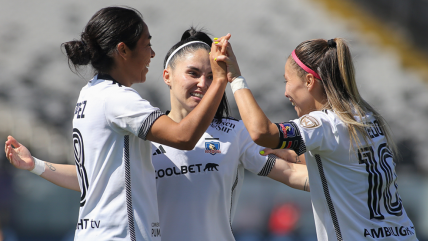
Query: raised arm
x=261, y=129
x=63, y=175
x=289, y=169
x=185, y=134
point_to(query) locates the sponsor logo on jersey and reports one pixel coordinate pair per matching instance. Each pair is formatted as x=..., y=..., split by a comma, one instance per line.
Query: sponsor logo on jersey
x=191, y=169
x=88, y=223
x=211, y=167
x=225, y=126
x=159, y=151
x=308, y=121
x=383, y=232
x=287, y=130
x=156, y=231
x=212, y=146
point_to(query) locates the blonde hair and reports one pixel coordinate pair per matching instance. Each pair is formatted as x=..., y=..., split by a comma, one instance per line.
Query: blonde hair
x=332, y=60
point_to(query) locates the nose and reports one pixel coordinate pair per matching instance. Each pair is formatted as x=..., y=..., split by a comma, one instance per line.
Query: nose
x=152, y=53
x=204, y=82
x=285, y=93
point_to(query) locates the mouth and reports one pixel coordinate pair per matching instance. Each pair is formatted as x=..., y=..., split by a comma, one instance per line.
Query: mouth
x=199, y=95
x=292, y=103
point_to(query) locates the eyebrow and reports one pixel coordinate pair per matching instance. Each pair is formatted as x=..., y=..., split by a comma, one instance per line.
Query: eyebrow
x=192, y=67
x=197, y=69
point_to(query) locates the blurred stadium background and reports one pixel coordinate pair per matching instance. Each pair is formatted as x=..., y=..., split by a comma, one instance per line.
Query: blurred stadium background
x=38, y=93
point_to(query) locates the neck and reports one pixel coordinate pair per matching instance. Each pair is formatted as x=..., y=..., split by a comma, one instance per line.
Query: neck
x=178, y=112
x=120, y=77
x=320, y=102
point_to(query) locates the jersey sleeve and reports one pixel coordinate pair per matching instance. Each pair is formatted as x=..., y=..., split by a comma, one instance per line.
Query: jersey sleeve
x=250, y=155
x=312, y=132
x=127, y=111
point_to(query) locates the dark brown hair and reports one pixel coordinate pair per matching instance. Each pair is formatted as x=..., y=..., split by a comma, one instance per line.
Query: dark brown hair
x=107, y=28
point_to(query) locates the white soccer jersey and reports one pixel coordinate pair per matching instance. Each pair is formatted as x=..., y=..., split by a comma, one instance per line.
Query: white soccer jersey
x=354, y=194
x=113, y=160
x=198, y=189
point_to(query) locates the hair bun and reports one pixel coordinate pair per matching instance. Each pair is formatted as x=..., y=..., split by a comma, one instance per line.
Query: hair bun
x=193, y=34
x=77, y=52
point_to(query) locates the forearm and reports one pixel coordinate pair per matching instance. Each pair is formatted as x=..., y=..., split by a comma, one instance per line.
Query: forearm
x=299, y=178
x=261, y=129
x=194, y=125
x=63, y=175
x=185, y=134
x=292, y=175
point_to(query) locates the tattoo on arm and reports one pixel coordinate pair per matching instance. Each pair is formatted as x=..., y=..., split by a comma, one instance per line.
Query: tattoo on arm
x=297, y=159
x=306, y=185
x=50, y=166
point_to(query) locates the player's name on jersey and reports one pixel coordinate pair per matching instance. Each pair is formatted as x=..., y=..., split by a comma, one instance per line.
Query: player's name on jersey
x=195, y=168
x=79, y=110
x=383, y=232
x=374, y=130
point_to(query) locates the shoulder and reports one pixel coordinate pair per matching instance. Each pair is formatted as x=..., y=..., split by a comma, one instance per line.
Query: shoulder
x=118, y=94
x=317, y=119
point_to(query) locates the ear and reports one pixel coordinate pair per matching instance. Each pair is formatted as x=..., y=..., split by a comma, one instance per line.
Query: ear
x=123, y=50
x=310, y=81
x=167, y=77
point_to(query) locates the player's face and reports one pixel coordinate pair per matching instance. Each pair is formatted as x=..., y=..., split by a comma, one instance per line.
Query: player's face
x=297, y=92
x=190, y=79
x=140, y=56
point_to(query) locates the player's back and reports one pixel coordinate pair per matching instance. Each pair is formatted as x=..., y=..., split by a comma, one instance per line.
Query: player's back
x=116, y=176
x=354, y=193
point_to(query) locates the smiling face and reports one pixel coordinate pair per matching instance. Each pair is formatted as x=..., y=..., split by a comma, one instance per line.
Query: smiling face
x=296, y=90
x=140, y=57
x=189, y=80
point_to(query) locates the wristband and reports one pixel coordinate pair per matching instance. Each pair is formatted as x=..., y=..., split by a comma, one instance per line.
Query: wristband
x=39, y=166
x=238, y=83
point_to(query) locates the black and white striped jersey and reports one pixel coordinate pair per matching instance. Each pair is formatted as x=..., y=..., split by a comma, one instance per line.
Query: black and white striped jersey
x=113, y=160
x=354, y=192
x=198, y=189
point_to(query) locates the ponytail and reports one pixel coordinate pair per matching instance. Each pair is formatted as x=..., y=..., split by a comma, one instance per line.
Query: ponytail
x=333, y=62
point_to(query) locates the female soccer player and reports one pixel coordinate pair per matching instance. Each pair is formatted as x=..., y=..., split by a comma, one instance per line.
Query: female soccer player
x=348, y=149
x=113, y=127
x=198, y=189
x=205, y=183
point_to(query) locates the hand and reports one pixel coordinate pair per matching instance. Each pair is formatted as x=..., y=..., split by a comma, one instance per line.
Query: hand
x=19, y=156
x=219, y=69
x=286, y=154
x=229, y=58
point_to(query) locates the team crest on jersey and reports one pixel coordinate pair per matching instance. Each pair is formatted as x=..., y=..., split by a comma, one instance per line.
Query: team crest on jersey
x=212, y=146
x=287, y=130
x=308, y=121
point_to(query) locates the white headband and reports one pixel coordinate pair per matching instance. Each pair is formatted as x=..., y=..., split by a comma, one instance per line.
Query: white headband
x=182, y=46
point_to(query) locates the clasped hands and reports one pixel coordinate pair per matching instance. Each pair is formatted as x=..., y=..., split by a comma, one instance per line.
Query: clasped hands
x=223, y=60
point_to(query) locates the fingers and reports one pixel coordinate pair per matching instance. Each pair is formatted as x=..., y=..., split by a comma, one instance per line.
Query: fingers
x=12, y=141
x=226, y=37
x=222, y=43
x=266, y=151
x=223, y=58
